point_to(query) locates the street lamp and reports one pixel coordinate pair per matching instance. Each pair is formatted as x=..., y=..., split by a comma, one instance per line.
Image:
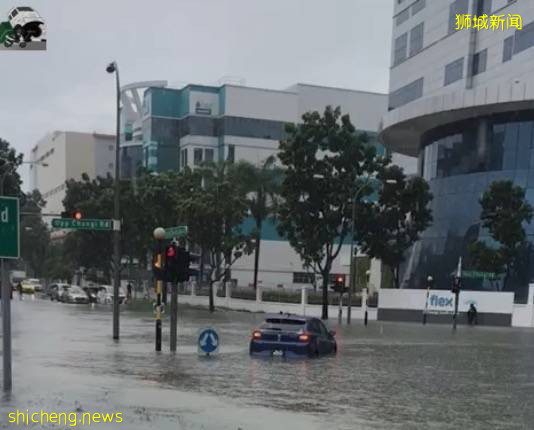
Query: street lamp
x=352, y=268
x=114, y=68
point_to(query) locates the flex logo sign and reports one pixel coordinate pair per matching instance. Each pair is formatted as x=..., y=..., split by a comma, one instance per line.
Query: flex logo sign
x=22, y=28
x=440, y=303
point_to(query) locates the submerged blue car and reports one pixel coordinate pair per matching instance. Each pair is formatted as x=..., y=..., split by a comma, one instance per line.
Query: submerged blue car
x=292, y=336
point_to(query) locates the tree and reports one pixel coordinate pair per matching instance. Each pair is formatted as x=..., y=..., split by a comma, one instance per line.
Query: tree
x=214, y=207
x=504, y=210
x=389, y=226
x=35, y=236
x=10, y=181
x=262, y=184
x=324, y=156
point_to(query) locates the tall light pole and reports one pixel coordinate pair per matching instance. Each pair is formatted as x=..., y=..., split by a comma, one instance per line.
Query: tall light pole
x=114, y=68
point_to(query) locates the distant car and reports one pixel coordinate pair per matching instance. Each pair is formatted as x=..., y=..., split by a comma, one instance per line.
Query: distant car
x=105, y=295
x=92, y=293
x=27, y=287
x=292, y=336
x=55, y=291
x=36, y=283
x=74, y=294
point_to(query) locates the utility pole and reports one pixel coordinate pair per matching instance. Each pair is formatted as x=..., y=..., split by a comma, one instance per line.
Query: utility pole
x=174, y=315
x=114, y=68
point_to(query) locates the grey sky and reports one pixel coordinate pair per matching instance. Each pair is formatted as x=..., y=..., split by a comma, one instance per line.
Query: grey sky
x=270, y=43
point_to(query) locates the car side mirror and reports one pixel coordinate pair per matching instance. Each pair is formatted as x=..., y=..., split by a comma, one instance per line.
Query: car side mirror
x=332, y=333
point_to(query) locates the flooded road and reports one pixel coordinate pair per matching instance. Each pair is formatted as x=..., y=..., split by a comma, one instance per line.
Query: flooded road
x=385, y=376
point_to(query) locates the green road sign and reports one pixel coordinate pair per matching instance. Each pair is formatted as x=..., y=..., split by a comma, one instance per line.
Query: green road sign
x=9, y=228
x=84, y=224
x=172, y=232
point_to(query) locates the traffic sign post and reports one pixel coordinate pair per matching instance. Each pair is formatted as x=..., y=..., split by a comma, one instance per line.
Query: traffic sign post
x=208, y=342
x=9, y=248
x=84, y=224
x=9, y=227
x=176, y=232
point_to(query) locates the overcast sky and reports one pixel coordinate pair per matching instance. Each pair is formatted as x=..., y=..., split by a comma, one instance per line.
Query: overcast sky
x=269, y=43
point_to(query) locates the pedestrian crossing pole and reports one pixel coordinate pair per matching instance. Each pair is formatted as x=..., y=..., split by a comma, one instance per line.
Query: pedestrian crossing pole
x=159, y=274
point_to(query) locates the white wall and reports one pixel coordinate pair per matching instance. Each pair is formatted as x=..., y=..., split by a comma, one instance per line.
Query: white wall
x=489, y=302
x=261, y=103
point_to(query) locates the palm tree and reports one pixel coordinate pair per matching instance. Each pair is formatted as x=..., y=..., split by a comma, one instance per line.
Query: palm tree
x=262, y=184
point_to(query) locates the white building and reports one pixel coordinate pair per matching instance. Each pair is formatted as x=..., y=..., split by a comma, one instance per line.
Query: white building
x=184, y=127
x=68, y=155
x=461, y=100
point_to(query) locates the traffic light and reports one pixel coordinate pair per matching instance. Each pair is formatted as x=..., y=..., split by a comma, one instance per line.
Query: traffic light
x=77, y=214
x=177, y=261
x=339, y=283
x=456, y=285
x=158, y=268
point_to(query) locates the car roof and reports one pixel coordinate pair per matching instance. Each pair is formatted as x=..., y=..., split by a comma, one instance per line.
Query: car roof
x=282, y=316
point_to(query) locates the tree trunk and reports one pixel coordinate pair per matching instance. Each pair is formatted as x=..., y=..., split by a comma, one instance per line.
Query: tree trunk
x=212, y=304
x=257, y=255
x=324, y=313
x=396, y=276
x=201, y=268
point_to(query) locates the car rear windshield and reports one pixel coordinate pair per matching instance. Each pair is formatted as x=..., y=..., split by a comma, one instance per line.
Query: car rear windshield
x=284, y=321
x=25, y=9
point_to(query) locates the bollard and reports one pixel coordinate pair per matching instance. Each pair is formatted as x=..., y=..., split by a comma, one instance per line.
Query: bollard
x=259, y=294
x=228, y=297
x=364, y=306
x=304, y=300
x=340, y=309
x=193, y=288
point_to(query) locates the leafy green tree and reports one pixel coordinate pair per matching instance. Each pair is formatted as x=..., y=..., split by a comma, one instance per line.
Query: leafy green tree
x=10, y=181
x=35, y=236
x=323, y=158
x=504, y=211
x=262, y=184
x=214, y=207
x=389, y=226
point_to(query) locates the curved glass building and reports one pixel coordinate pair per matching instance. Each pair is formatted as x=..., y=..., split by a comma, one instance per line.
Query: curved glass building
x=462, y=101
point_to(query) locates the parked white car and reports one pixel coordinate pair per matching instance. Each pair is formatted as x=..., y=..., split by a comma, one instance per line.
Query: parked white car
x=105, y=295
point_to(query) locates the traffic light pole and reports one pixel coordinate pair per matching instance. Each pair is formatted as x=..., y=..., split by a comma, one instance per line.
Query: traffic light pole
x=6, y=313
x=456, y=300
x=174, y=315
x=158, y=315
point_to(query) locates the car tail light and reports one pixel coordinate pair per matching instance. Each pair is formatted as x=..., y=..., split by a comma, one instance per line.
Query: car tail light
x=304, y=337
x=256, y=334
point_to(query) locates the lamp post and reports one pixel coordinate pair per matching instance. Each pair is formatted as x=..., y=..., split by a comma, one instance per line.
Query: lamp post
x=114, y=68
x=352, y=266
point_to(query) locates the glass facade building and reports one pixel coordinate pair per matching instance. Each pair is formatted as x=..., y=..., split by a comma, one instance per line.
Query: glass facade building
x=460, y=161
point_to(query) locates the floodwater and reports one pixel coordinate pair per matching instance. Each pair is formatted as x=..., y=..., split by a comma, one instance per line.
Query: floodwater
x=385, y=376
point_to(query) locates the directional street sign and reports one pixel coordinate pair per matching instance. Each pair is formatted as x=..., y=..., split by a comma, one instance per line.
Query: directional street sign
x=9, y=227
x=208, y=341
x=84, y=224
x=172, y=232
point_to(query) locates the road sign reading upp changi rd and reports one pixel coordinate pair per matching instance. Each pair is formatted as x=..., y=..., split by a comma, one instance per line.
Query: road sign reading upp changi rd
x=172, y=232
x=84, y=224
x=9, y=227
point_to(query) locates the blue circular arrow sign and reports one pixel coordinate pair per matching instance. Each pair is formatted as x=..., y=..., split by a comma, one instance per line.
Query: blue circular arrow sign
x=208, y=341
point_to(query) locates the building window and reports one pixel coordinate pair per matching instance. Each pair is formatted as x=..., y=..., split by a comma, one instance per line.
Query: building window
x=479, y=62
x=303, y=278
x=403, y=16
x=406, y=94
x=231, y=153
x=458, y=7
x=483, y=7
x=524, y=39
x=416, y=38
x=418, y=6
x=197, y=156
x=454, y=71
x=208, y=155
x=401, y=49
x=508, y=49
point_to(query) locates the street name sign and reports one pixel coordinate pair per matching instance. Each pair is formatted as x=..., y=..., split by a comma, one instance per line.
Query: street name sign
x=172, y=232
x=208, y=341
x=84, y=224
x=9, y=227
